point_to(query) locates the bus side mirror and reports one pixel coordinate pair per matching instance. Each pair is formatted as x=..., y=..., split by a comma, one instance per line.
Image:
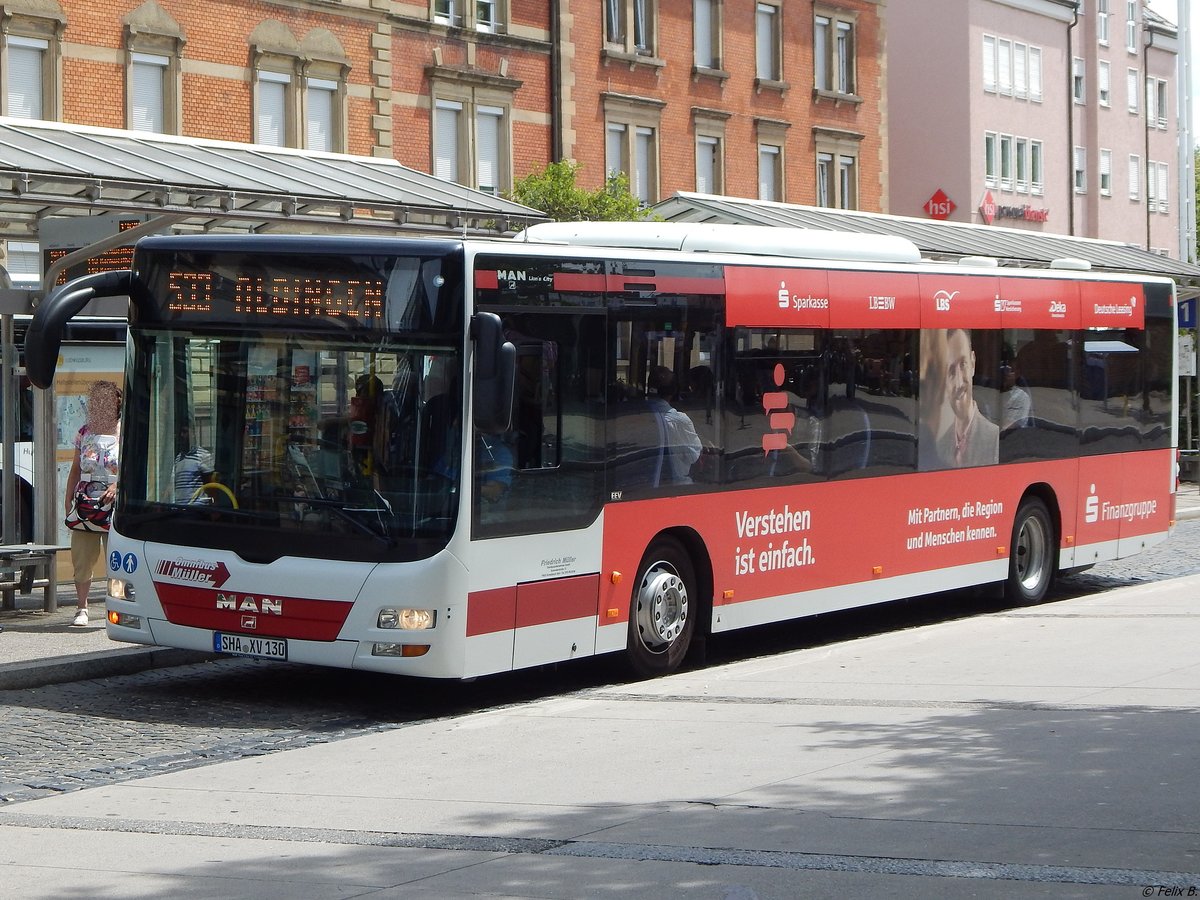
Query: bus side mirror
x=495, y=374
x=44, y=335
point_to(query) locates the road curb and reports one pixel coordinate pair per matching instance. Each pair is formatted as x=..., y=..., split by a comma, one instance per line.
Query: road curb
x=38, y=673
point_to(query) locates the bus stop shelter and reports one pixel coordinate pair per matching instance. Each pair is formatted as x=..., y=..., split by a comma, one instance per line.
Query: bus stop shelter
x=50, y=170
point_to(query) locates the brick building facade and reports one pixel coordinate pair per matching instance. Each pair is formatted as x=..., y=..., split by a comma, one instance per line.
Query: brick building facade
x=756, y=98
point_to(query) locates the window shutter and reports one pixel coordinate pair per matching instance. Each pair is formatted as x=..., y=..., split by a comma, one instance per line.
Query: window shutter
x=25, y=86
x=702, y=17
x=272, y=108
x=487, y=148
x=644, y=148
x=146, y=83
x=614, y=148
x=765, y=51
x=1035, y=73
x=445, y=140
x=320, y=97
x=706, y=164
x=1135, y=187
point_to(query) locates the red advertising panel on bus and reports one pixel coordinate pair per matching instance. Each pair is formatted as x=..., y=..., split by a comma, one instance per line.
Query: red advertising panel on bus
x=959, y=301
x=1113, y=305
x=874, y=300
x=1039, y=303
x=776, y=298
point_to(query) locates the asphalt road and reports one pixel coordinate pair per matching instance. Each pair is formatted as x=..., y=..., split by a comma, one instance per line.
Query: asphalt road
x=66, y=737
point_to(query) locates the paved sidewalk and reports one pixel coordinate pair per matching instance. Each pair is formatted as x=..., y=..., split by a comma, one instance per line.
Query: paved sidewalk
x=39, y=648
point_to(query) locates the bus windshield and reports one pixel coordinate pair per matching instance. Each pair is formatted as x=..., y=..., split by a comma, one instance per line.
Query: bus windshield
x=279, y=443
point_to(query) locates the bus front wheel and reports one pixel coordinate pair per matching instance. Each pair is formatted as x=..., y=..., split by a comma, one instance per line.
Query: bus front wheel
x=1031, y=557
x=662, y=614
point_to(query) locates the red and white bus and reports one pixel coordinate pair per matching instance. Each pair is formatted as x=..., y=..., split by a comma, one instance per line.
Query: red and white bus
x=448, y=458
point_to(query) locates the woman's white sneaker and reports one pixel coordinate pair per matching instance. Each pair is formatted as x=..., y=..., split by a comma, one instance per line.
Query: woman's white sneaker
x=81, y=617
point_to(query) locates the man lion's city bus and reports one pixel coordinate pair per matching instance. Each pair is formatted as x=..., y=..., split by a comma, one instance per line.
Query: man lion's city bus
x=454, y=457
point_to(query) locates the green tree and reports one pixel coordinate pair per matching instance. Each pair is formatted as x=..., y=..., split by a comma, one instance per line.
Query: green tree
x=554, y=191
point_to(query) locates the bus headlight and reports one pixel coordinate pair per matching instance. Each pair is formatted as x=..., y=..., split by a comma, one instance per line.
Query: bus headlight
x=407, y=619
x=120, y=589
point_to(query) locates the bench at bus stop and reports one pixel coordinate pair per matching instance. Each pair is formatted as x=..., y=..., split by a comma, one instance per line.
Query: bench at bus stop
x=19, y=571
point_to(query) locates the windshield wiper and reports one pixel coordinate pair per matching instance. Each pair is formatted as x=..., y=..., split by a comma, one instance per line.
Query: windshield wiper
x=339, y=508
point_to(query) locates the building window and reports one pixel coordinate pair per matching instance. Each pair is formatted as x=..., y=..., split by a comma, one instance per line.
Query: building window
x=148, y=92
x=1158, y=182
x=471, y=124
x=31, y=51
x=489, y=131
x=1135, y=177
x=1156, y=102
x=706, y=33
x=631, y=143
x=1080, y=166
x=629, y=25
x=272, y=118
x=1132, y=81
x=1006, y=162
x=1004, y=67
x=1105, y=173
x=989, y=63
x=1131, y=11
x=833, y=53
x=481, y=15
x=770, y=172
x=1077, y=83
x=153, y=91
x=26, y=77
x=1035, y=74
x=1020, y=71
x=24, y=263
x=991, y=168
x=837, y=168
x=320, y=97
x=299, y=89
x=1102, y=22
x=1104, y=84
x=768, y=43
x=709, y=165
x=447, y=124
x=1021, y=163
x=1036, y=183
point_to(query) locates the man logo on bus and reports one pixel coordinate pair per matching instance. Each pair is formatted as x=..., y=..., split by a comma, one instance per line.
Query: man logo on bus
x=941, y=300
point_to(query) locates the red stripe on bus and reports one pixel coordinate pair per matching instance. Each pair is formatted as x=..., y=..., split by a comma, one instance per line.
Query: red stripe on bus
x=578, y=282
x=542, y=602
x=298, y=617
x=491, y=611
x=665, y=284
x=486, y=281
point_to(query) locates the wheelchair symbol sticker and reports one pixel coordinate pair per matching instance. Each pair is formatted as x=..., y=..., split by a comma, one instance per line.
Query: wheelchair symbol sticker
x=114, y=560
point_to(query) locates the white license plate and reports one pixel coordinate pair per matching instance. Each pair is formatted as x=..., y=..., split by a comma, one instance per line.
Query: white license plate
x=248, y=645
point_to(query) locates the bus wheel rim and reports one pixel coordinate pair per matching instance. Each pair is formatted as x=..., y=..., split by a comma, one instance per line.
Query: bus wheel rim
x=1031, y=562
x=662, y=607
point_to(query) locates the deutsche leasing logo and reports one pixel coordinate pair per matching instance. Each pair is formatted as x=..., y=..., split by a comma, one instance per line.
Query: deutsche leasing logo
x=1116, y=309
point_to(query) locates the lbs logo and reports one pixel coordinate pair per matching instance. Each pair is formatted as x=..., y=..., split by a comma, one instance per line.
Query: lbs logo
x=941, y=300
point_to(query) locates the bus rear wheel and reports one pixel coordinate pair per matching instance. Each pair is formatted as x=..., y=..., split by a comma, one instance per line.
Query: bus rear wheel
x=662, y=614
x=1031, y=557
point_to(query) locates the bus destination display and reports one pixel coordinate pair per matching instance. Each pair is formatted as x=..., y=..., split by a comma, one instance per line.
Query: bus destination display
x=285, y=294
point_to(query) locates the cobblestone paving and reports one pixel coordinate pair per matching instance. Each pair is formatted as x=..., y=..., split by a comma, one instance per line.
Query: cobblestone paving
x=69, y=736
